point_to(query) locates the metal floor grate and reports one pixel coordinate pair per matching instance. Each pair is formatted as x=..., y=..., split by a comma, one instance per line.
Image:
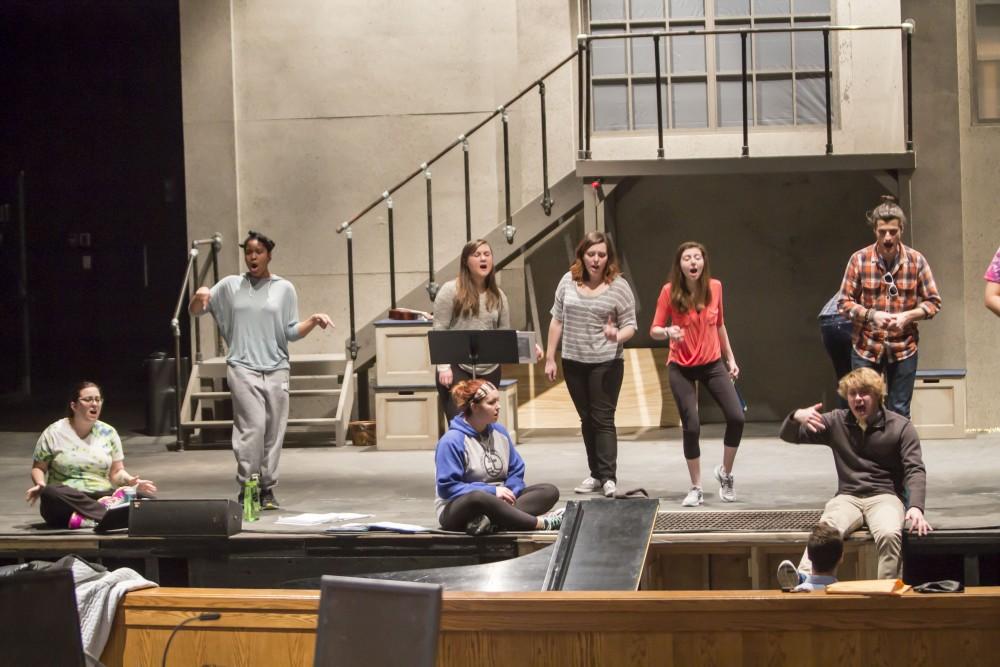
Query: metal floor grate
x=738, y=521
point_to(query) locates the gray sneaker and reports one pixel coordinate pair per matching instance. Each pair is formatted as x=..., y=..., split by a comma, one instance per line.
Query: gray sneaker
x=553, y=520
x=693, y=498
x=726, y=491
x=609, y=488
x=789, y=576
x=589, y=485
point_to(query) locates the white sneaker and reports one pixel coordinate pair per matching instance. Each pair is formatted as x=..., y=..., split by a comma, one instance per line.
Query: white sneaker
x=693, y=498
x=789, y=576
x=588, y=485
x=609, y=488
x=726, y=491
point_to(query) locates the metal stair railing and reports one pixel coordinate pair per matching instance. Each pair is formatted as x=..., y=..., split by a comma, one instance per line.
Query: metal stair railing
x=584, y=57
x=463, y=141
x=187, y=290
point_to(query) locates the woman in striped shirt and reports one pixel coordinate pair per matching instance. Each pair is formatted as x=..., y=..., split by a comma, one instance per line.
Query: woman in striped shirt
x=594, y=315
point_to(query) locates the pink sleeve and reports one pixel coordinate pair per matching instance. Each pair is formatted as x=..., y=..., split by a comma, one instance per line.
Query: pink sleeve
x=993, y=270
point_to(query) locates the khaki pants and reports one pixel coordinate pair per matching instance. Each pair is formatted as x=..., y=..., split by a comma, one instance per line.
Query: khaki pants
x=884, y=515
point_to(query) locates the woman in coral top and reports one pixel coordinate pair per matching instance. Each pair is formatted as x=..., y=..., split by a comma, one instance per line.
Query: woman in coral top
x=699, y=352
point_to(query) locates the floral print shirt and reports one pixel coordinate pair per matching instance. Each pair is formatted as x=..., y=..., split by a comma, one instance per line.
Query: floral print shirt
x=80, y=463
x=993, y=270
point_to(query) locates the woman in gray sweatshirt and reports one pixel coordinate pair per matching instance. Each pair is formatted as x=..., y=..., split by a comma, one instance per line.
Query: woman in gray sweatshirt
x=473, y=301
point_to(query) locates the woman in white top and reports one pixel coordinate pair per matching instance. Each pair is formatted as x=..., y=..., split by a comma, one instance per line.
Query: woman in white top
x=78, y=468
x=594, y=315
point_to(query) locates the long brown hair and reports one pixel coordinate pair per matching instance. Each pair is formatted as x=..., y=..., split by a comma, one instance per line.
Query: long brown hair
x=466, y=293
x=578, y=270
x=682, y=299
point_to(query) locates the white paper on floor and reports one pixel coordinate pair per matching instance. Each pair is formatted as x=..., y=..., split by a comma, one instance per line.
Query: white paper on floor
x=312, y=519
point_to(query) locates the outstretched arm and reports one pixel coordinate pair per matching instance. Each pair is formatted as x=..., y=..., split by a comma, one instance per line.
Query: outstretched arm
x=199, y=302
x=321, y=319
x=806, y=426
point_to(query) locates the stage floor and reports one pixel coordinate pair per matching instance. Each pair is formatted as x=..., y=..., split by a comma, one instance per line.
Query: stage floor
x=962, y=489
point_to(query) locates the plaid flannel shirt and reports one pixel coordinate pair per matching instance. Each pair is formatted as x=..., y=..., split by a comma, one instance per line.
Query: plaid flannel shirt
x=863, y=288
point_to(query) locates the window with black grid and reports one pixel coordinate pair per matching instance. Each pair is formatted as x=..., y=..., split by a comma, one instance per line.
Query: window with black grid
x=701, y=75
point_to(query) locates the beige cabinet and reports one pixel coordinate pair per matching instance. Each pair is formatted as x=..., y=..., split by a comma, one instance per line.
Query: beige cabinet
x=406, y=418
x=402, y=358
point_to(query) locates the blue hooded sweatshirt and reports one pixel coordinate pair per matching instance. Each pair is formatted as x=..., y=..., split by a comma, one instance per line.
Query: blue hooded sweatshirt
x=468, y=461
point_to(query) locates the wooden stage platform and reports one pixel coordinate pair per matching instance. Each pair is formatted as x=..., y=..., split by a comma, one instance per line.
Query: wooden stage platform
x=608, y=629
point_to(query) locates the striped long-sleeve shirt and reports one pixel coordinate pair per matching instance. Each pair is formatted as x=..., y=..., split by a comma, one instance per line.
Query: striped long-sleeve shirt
x=583, y=319
x=867, y=285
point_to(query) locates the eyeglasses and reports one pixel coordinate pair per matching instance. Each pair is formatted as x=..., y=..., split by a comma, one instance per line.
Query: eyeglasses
x=90, y=399
x=891, y=282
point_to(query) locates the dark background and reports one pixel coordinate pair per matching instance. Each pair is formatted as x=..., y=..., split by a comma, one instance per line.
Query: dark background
x=91, y=114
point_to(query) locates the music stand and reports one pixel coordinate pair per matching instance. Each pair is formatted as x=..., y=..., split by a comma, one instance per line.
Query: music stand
x=377, y=623
x=471, y=347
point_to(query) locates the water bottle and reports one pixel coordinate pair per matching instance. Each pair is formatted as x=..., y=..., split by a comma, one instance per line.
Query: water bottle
x=251, y=491
x=255, y=478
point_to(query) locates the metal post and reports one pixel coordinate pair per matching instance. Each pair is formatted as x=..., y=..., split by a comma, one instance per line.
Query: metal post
x=392, y=252
x=216, y=247
x=353, y=346
x=746, y=127
x=196, y=338
x=826, y=81
x=175, y=328
x=508, y=229
x=659, y=97
x=589, y=84
x=909, y=26
x=468, y=193
x=580, y=47
x=432, y=287
x=546, y=195
x=22, y=291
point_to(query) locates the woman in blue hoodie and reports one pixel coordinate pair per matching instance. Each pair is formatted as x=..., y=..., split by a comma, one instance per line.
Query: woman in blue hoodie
x=480, y=476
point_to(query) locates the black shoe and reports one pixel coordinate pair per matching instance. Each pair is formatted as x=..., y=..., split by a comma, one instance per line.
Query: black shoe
x=480, y=525
x=268, y=501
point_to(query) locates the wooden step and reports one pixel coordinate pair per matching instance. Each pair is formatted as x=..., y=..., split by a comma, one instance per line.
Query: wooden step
x=225, y=395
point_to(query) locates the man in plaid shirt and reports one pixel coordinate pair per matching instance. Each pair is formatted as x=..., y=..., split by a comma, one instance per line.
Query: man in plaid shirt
x=887, y=287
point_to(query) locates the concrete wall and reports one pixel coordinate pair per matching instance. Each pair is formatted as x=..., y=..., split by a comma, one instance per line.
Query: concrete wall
x=297, y=115
x=980, y=237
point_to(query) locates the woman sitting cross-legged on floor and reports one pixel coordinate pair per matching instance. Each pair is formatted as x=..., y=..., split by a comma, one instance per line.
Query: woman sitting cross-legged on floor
x=78, y=468
x=480, y=476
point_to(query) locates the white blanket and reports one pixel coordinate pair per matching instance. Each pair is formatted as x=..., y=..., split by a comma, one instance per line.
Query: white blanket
x=97, y=597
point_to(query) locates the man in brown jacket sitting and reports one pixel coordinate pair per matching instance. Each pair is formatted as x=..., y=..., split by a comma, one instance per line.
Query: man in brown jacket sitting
x=880, y=474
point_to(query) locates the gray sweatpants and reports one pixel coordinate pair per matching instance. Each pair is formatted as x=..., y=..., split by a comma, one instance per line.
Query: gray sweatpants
x=260, y=416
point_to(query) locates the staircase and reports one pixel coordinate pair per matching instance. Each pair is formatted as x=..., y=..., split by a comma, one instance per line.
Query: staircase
x=532, y=224
x=320, y=388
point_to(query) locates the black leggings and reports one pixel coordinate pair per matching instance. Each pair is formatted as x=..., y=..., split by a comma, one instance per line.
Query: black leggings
x=716, y=379
x=594, y=389
x=58, y=502
x=458, y=374
x=535, y=500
